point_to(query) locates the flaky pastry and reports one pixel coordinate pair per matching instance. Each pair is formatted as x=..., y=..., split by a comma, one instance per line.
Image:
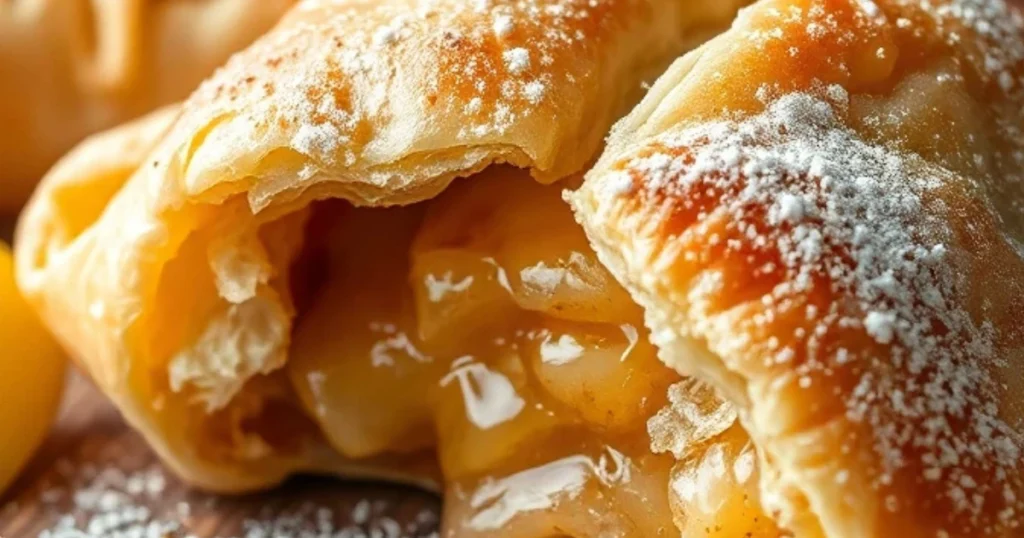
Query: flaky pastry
x=822, y=213
x=284, y=273
x=71, y=68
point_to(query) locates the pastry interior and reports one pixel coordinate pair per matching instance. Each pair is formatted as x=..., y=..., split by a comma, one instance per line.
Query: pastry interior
x=473, y=339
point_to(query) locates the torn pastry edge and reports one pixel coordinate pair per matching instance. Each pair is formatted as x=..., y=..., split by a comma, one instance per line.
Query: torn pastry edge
x=790, y=504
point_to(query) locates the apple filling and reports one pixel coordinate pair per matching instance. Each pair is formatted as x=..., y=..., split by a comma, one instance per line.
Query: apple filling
x=482, y=326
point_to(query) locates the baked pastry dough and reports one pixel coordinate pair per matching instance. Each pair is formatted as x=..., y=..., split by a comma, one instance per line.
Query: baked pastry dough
x=234, y=273
x=822, y=213
x=71, y=68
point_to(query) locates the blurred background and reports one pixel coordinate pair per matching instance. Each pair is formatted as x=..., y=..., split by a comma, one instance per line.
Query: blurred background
x=69, y=68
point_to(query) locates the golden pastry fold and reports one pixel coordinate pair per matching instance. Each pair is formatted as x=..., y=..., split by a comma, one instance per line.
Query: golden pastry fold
x=269, y=279
x=71, y=68
x=822, y=213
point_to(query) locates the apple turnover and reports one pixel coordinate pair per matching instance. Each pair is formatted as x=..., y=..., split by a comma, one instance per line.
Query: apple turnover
x=349, y=252
x=69, y=68
x=345, y=254
x=822, y=213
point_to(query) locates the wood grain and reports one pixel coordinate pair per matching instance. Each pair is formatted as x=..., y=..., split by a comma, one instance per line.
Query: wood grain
x=90, y=438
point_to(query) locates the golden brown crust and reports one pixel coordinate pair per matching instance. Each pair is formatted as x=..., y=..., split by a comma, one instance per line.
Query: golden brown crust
x=71, y=68
x=821, y=212
x=174, y=293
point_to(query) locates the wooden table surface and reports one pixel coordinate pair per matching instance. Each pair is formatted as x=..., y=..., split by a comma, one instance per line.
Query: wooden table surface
x=92, y=452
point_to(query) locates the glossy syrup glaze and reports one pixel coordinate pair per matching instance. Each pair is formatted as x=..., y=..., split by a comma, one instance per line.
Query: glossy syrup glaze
x=482, y=326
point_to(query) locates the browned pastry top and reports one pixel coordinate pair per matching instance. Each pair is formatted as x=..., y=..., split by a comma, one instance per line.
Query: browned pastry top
x=829, y=200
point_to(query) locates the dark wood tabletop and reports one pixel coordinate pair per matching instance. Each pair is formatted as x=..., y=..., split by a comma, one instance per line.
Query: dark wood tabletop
x=95, y=469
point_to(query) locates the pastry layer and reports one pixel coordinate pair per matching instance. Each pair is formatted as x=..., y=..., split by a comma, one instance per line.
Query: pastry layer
x=821, y=213
x=160, y=253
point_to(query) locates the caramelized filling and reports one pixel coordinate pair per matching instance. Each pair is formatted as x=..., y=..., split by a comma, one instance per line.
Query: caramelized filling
x=480, y=325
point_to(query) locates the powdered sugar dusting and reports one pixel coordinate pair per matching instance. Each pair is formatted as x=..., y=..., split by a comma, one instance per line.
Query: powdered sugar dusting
x=502, y=25
x=109, y=502
x=881, y=326
x=984, y=37
x=329, y=75
x=862, y=222
x=113, y=504
x=995, y=30
x=988, y=36
x=517, y=60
